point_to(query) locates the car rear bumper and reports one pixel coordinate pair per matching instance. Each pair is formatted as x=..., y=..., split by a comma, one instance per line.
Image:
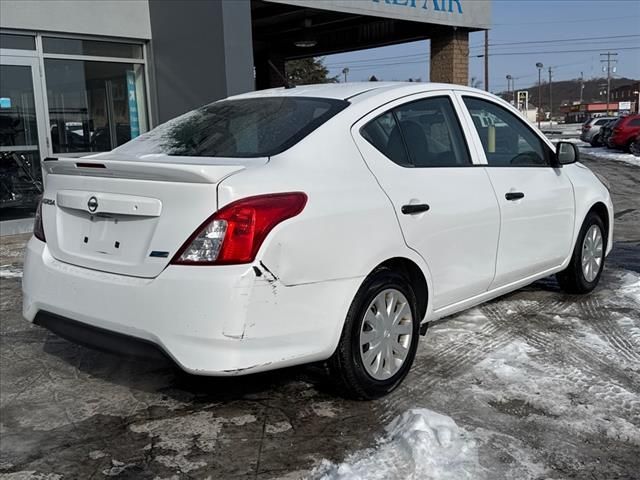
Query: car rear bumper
x=223, y=320
x=586, y=137
x=98, y=338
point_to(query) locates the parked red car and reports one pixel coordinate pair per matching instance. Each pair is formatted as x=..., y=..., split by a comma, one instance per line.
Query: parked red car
x=624, y=132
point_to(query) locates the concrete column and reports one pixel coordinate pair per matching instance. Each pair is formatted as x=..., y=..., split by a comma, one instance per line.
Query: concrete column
x=200, y=52
x=450, y=57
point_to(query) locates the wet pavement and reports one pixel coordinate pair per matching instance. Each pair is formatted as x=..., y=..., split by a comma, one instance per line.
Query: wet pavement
x=548, y=384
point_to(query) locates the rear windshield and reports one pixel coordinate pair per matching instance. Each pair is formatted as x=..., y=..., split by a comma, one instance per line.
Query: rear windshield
x=255, y=127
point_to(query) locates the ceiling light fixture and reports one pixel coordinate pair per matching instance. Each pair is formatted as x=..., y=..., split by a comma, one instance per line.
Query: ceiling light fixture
x=306, y=41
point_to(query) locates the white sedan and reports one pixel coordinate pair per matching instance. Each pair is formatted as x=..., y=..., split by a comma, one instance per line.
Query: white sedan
x=317, y=223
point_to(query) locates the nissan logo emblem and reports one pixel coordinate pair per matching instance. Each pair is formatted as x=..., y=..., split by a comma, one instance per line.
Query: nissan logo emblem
x=92, y=204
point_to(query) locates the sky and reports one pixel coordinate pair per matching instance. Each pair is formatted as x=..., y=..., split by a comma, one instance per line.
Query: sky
x=594, y=25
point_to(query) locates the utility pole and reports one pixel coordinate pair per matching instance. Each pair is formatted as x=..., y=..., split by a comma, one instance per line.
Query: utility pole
x=540, y=66
x=550, y=99
x=581, y=86
x=509, y=81
x=609, y=68
x=486, y=60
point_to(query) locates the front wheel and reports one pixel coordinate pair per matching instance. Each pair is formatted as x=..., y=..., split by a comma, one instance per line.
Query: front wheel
x=379, y=338
x=584, y=270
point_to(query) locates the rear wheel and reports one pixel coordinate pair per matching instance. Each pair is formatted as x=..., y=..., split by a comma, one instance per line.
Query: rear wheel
x=584, y=270
x=629, y=147
x=595, y=141
x=379, y=339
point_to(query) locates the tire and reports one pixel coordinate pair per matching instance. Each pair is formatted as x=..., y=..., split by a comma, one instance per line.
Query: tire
x=595, y=141
x=629, y=147
x=574, y=279
x=347, y=365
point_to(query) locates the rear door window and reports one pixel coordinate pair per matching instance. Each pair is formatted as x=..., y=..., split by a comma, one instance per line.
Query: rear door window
x=254, y=127
x=422, y=133
x=384, y=134
x=432, y=133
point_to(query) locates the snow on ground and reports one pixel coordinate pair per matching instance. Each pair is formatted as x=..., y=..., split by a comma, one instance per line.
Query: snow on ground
x=549, y=376
x=607, y=154
x=601, y=153
x=419, y=444
x=10, y=271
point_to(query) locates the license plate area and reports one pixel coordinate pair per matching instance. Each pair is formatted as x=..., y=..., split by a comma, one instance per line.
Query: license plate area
x=102, y=234
x=105, y=237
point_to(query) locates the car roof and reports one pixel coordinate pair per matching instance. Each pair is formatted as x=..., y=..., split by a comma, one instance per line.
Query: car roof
x=349, y=91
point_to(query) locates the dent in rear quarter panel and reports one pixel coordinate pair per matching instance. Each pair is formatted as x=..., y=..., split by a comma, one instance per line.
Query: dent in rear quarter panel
x=588, y=191
x=348, y=225
x=318, y=260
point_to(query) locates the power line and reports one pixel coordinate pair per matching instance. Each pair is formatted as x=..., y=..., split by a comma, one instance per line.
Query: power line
x=585, y=20
x=555, y=51
x=369, y=60
x=557, y=40
x=424, y=58
x=421, y=55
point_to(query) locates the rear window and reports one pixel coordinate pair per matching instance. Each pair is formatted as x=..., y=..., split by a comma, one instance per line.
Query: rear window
x=255, y=127
x=602, y=122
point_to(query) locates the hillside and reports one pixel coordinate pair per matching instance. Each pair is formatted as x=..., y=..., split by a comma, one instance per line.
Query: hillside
x=567, y=91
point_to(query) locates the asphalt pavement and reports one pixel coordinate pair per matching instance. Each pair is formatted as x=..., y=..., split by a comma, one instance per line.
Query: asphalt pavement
x=547, y=384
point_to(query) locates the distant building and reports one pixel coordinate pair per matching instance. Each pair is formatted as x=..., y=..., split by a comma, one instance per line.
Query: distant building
x=627, y=93
x=579, y=112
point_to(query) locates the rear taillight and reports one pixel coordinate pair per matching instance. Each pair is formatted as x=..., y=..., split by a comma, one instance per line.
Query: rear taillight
x=38, y=228
x=586, y=127
x=235, y=233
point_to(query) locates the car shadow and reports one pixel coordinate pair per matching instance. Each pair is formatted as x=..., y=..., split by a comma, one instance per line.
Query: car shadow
x=162, y=375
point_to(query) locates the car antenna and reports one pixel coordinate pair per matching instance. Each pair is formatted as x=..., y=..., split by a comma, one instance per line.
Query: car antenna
x=287, y=84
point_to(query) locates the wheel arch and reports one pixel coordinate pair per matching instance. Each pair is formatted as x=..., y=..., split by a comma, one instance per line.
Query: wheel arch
x=416, y=277
x=600, y=209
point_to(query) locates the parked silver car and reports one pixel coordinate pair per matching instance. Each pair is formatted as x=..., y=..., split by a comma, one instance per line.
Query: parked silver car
x=591, y=130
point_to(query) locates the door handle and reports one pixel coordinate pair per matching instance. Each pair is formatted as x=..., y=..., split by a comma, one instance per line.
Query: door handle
x=513, y=195
x=414, y=208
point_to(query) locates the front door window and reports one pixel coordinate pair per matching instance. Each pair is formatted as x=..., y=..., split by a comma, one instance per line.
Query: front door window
x=506, y=139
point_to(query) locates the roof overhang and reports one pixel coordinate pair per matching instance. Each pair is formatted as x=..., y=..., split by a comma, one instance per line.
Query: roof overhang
x=469, y=14
x=335, y=26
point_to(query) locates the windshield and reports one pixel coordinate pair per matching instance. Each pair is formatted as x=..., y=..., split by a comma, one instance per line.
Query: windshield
x=254, y=127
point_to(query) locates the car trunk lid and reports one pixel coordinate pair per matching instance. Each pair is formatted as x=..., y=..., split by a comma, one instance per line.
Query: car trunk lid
x=129, y=217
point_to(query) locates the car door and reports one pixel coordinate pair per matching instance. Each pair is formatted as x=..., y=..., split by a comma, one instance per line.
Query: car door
x=446, y=207
x=536, y=200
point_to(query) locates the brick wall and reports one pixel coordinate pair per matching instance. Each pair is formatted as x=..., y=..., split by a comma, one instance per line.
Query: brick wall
x=450, y=57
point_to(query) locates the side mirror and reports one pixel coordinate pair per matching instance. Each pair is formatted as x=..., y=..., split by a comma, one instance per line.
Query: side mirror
x=566, y=153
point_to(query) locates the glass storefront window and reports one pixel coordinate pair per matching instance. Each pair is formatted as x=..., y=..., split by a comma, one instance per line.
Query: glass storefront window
x=20, y=174
x=17, y=42
x=95, y=95
x=93, y=48
x=94, y=106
